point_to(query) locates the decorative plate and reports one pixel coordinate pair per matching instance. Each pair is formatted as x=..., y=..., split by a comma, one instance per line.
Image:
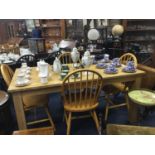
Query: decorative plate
x=22, y=84
x=128, y=70
x=101, y=65
x=110, y=72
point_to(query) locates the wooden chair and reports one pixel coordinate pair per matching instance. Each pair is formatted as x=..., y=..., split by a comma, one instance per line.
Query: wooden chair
x=115, y=129
x=5, y=113
x=65, y=58
x=119, y=87
x=128, y=57
x=123, y=60
x=29, y=102
x=35, y=131
x=80, y=90
x=51, y=57
x=28, y=58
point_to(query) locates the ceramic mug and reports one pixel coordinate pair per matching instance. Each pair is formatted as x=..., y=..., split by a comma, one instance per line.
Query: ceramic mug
x=43, y=79
x=24, y=65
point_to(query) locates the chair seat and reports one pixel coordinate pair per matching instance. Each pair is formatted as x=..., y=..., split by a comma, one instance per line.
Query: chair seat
x=35, y=101
x=83, y=106
x=3, y=97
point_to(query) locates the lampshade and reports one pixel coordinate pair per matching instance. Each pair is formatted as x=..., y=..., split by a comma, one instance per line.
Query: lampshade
x=117, y=30
x=93, y=34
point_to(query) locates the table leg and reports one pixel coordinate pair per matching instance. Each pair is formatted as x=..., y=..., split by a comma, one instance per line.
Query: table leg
x=133, y=108
x=19, y=109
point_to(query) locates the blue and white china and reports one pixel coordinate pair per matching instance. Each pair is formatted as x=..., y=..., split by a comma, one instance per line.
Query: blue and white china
x=101, y=65
x=106, y=58
x=130, y=67
x=101, y=61
x=111, y=69
x=116, y=62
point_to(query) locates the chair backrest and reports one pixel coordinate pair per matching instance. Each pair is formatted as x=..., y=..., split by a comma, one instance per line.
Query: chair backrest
x=114, y=129
x=7, y=73
x=81, y=86
x=28, y=58
x=65, y=58
x=51, y=57
x=128, y=57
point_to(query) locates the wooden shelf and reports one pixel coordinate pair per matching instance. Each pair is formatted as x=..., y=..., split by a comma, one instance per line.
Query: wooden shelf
x=138, y=30
x=52, y=36
x=48, y=27
x=53, y=27
x=153, y=40
x=140, y=20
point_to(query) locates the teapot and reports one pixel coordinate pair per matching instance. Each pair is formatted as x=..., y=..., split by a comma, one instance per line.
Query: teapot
x=57, y=65
x=87, y=59
x=75, y=55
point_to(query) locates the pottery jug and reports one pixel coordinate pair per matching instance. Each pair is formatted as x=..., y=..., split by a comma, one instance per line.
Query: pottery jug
x=57, y=65
x=86, y=59
x=75, y=55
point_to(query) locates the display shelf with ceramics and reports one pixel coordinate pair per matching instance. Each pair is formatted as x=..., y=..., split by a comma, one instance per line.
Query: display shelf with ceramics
x=53, y=30
x=140, y=32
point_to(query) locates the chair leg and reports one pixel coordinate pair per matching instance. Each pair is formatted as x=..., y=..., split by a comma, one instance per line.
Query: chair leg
x=69, y=123
x=127, y=101
x=50, y=118
x=106, y=113
x=65, y=116
x=96, y=120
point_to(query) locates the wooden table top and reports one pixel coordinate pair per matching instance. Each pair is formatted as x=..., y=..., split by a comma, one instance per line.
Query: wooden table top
x=142, y=97
x=54, y=80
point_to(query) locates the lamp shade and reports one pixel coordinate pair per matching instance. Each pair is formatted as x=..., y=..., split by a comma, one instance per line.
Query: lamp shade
x=117, y=30
x=93, y=34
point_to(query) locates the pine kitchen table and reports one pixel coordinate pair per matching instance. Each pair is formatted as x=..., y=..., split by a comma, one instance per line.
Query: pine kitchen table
x=54, y=85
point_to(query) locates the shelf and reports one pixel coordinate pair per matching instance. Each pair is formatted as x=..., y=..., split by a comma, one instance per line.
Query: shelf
x=53, y=29
x=140, y=20
x=54, y=26
x=139, y=40
x=138, y=30
x=52, y=36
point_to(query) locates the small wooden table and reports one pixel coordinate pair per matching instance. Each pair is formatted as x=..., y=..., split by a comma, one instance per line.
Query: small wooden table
x=142, y=97
x=54, y=85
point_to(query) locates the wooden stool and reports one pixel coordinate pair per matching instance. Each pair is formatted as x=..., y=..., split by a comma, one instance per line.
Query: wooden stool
x=36, y=131
x=142, y=97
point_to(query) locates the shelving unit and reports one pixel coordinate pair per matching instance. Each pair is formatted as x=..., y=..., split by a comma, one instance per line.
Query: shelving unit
x=53, y=30
x=141, y=32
